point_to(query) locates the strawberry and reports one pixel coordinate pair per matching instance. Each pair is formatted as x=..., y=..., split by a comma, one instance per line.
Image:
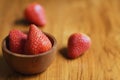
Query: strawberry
x=17, y=40
x=35, y=14
x=37, y=42
x=78, y=43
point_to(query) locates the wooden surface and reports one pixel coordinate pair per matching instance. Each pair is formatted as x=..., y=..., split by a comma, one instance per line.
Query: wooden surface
x=100, y=19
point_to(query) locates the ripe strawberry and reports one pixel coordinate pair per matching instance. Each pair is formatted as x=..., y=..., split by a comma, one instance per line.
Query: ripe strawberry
x=37, y=42
x=35, y=14
x=17, y=40
x=78, y=43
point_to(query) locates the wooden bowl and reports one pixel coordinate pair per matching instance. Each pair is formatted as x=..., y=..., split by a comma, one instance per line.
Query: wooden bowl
x=29, y=64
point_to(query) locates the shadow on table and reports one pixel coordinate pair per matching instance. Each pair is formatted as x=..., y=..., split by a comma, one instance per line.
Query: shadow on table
x=63, y=52
x=4, y=69
x=7, y=73
x=21, y=22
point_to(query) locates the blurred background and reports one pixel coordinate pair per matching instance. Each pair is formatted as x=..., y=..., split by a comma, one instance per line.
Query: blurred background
x=100, y=19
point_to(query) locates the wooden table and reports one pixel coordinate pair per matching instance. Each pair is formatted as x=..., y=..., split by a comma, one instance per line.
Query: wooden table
x=100, y=19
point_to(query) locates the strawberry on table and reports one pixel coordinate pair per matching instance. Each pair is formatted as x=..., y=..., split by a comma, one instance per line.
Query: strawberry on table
x=78, y=43
x=35, y=14
x=17, y=40
x=37, y=42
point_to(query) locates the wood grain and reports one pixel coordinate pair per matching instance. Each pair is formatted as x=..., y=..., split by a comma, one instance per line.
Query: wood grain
x=100, y=19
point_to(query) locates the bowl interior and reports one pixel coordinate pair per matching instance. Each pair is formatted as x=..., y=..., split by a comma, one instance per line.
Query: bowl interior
x=51, y=38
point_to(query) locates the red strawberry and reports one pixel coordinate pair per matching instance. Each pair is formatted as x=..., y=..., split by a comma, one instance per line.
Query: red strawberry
x=17, y=40
x=78, y=43
x=37, y=41
x=35, y=14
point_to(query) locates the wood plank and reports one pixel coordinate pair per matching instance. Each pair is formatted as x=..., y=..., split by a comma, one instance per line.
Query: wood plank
x=100, y=19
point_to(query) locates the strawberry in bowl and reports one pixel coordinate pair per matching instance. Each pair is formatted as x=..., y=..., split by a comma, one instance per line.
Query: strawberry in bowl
x=31, y=52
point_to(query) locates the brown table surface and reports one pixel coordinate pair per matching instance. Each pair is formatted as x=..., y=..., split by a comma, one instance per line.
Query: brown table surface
x=100, y=19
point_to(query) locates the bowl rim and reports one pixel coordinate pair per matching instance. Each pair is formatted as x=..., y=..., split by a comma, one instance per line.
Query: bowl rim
x=54, y=45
